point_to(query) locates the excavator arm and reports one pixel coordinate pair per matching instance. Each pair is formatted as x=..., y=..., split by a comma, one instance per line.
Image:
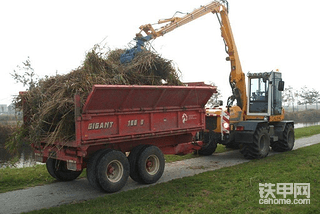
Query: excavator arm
x=237, y=77
x=176, y=22
x=219, y=7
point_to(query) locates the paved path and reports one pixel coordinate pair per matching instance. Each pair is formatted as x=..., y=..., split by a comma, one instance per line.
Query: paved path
x=67, y=192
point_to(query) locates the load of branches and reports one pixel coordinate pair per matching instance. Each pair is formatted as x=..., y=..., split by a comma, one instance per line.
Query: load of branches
x=48, y=105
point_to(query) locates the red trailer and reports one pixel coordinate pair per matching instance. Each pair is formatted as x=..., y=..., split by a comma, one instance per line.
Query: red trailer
x=147, y=121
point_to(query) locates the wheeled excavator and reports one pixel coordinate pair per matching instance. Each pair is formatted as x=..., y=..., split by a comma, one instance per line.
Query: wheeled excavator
x=254, y=118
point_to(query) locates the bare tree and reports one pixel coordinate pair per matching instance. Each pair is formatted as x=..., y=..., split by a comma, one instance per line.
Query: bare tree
x=308, y=96
x=25, y=74
x=290, y=96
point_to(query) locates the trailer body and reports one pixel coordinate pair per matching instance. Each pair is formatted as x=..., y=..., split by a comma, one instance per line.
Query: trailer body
x=121, y=118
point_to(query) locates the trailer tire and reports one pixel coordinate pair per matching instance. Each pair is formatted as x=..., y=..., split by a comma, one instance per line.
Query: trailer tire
x=287, y=143
x=58, y=170
x=92, y=168
x=50, y=164
x=260, y=146
x=151, y=164
x=210, y=145
x=113, y=171
x=133, y=161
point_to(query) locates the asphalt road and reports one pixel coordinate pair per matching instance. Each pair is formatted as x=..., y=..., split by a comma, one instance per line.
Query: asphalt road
x=79, y=190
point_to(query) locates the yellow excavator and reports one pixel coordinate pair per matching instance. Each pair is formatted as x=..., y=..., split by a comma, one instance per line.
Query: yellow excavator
x=256, y=121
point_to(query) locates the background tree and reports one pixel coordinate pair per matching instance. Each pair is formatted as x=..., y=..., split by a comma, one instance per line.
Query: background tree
x=25, y=74
x=308, y=96
x=290, y=97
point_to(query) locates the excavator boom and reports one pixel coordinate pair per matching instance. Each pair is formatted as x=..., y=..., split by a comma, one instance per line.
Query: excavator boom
x=219, y=7
x=175, y=22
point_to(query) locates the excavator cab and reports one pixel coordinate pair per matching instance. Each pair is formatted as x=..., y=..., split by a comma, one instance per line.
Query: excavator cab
x=265, y=93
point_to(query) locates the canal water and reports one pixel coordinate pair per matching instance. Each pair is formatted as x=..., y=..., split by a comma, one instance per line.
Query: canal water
x=26, y=158
x=301, y=125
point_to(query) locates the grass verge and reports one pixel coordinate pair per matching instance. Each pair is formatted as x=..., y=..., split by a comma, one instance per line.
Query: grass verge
x=14, y=179
x=228, y=190
x=307, y=131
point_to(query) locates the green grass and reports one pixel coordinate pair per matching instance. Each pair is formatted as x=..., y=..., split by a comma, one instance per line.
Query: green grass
x=228, y=190
x=307, y=131
x=14, y=179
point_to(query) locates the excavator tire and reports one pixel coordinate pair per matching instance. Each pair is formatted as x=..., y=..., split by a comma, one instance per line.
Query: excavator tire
x=287, y=143
x=260, y=146
x=210, y=145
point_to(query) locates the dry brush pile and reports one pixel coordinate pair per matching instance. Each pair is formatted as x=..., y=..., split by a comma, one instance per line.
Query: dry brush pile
x=49, y=105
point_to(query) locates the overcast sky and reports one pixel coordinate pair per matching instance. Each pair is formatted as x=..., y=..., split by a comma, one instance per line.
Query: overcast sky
x=269, y=34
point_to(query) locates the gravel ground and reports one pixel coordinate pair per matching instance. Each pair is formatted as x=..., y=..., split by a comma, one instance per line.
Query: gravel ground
x=74, y=191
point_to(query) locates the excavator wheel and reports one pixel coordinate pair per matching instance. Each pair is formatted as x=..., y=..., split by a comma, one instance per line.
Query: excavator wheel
x=210, y=145
x=260, y=146
x=287, y=143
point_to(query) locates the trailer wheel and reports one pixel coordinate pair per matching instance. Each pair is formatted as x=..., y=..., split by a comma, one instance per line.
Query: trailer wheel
x=210, y=145
x=58, y=170
x=150, y=164
x=113, y=171
x=133, y=161
x=51, y=167
x=260, y=146
x=92, y=168
x=287, y=143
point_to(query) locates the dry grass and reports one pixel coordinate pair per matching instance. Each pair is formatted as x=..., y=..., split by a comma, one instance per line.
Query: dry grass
x=49, y=105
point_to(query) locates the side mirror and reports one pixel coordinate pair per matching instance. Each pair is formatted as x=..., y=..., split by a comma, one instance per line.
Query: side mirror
x=281, y=85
